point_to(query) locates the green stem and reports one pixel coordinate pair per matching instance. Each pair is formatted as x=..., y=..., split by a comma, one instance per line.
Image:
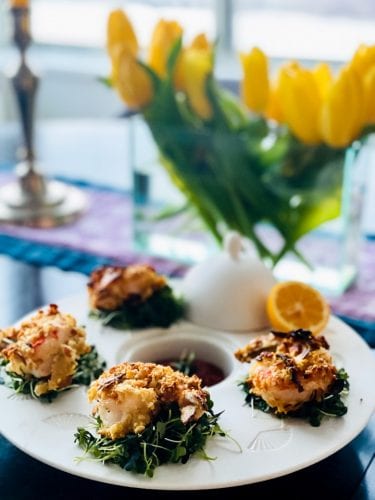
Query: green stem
x=206, y=216
x=289, y=247
x=247, y=227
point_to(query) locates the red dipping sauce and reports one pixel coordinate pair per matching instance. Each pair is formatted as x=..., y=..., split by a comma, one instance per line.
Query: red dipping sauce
x=209, y=373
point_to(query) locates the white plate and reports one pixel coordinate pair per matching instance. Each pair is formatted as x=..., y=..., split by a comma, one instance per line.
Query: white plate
x=270, y=447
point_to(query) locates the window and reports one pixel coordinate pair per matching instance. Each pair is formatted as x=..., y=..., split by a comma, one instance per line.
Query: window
x=4, y=24
x=304, y=29
x=301, y=29
x=83, y=22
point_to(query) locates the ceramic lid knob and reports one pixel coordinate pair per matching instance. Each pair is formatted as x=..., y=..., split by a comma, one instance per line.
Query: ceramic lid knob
x=228, y=291
x=233, y=244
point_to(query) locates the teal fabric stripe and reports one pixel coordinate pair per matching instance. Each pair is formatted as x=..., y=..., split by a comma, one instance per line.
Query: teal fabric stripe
x=40, y=255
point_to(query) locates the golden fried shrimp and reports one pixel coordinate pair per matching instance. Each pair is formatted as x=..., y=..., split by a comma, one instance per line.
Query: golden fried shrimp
x=46, y=346
x=109, y=287
x=288, y=370
x=129, y=395
x=7, y=337
x=294, y=343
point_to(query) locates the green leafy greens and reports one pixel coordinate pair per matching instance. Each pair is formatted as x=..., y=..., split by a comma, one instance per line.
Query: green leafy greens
x=166, y=440
x=185, y=363
x=89, y=367
x=161, y=309
x=314, y=411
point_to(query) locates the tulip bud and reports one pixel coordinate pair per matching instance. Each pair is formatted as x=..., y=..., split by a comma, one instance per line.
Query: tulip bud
x=255, y=84
x=133, y=83
x=120, y=34
x=274, y=109
x=165, y=35
x=200, y=42
x=324, y=79
x=300, y=102
x=342, y=116
x=363, y=59
x=369, y=91
x=196, y=66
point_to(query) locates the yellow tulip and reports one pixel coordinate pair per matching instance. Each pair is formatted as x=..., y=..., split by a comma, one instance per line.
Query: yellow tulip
x=300, y=102
x=342, y=116
x=133, y=83
x=273, y=110
x=255, y=84
x=196, y=66
x=120, y=36
x=324, y=79
x=363, y=59
x=164, y=36
x=369, y=91
x=201, y=42
x=178, y=78
x=120, y=33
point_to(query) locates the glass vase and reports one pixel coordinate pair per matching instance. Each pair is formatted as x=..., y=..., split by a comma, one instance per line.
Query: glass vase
x=166, y=225
x=332, y=250
x=163, y=223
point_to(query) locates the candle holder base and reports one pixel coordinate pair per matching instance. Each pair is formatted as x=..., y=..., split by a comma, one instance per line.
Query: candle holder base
x=58, y=204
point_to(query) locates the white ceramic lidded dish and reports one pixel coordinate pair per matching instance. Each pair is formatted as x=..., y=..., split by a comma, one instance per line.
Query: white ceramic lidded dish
x=228, y=291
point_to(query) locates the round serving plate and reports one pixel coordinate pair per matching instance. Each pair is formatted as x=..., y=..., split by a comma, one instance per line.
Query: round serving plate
x=262, y=446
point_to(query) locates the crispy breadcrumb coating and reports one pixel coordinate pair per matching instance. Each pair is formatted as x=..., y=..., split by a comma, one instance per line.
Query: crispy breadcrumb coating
x=45, y=346
x=109, y=287
x=7, y=337
x=288, y=369
x=129, y=395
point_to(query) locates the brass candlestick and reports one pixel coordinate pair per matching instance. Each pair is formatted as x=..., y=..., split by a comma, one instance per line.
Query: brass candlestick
x=32, y=199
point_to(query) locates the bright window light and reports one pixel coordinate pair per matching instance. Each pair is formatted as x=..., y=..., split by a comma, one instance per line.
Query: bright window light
x=304, y=29
x=83, y=22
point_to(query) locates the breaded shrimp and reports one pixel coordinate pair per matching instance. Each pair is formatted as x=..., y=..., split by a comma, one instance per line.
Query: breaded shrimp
x=129, y=395
x=109, y=287
x=46, y=346
x=288, y=369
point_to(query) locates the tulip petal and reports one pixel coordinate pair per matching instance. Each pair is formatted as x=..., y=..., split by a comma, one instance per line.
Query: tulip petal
x=324, y=79
x=133, y=83
x=363, y=59
x=342, y=115
x=120, y=34
x=369, y=90
x=255, y=84
x=300, y=102
x=201, y=42
x=197, y=66
x=274, y=109
x=164, y=36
